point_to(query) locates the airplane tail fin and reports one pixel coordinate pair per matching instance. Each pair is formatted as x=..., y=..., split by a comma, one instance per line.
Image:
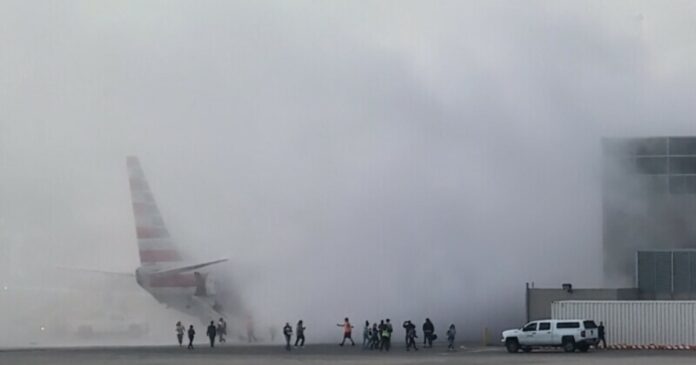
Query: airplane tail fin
x=154, y=242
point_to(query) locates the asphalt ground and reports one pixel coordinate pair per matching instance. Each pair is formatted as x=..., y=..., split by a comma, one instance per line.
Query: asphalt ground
x=324, y=354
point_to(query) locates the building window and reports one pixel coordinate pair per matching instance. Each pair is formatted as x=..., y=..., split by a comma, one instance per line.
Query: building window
x=682, y=184
x=651, y=165
x=648, y=146
x=682, y=146
x=682, y=165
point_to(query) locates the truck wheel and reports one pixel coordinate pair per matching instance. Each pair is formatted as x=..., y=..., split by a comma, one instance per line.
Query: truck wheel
x=568, y=345
x=512, y=345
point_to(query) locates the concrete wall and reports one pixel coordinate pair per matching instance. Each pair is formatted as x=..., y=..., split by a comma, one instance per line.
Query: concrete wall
x=539, y=300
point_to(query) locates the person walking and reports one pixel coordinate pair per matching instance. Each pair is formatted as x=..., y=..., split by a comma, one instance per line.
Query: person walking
x=222, y=330
x=451, y=333
x=212, y=333
x=287, y=331
x=191, y=335
x=410, y=335
x=428, y=331
x=366, y=335
x=180, y=329
x=600, y=336
x=374, y=337
x=386, y=335
x=380, y=330
x=299, y=336
x=347, y=332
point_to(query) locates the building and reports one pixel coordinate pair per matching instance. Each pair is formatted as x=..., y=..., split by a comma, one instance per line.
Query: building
x=649, y=225
x=540, y=300
x=649, y=201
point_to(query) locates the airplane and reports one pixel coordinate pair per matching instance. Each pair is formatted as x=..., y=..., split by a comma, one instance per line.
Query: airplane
x=164, y=273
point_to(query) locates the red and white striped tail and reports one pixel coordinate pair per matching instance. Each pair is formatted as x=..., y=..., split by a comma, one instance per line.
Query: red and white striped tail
x=154, y=241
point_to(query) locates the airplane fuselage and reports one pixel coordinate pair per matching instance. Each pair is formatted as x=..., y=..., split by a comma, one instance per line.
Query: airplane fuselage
x=190, y=293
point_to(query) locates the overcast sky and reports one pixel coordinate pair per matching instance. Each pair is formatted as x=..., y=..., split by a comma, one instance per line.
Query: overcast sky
x=371, y=159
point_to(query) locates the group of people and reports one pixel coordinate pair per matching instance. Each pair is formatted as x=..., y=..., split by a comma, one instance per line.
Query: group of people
x=429, y=334
x=375, y=337
x=213, y=331
x=379, y=335
x=299, y=338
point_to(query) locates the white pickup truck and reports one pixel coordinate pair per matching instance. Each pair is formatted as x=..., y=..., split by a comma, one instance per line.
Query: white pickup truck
x=571, y=334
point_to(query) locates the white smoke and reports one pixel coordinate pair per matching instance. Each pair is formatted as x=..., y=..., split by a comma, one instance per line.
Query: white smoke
x=372, y=160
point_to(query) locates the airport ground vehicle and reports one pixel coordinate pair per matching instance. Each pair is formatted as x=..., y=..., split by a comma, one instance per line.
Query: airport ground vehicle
x=570, y=334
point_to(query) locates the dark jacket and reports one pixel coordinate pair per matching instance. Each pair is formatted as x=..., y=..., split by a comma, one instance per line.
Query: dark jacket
x=191, y=332
x=410, y=329
x=212, y=331
x=428, y=327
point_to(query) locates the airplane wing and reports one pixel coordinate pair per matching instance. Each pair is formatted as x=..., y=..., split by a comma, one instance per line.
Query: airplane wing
x=180, y=269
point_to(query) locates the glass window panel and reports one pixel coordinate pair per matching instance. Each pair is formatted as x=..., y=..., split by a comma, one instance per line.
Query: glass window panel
x=651, y=165
x=682, y=165
x=682, y=184
x=682, y=146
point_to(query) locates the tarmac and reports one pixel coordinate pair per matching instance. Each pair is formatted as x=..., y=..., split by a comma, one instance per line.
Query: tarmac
x=323, y=354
